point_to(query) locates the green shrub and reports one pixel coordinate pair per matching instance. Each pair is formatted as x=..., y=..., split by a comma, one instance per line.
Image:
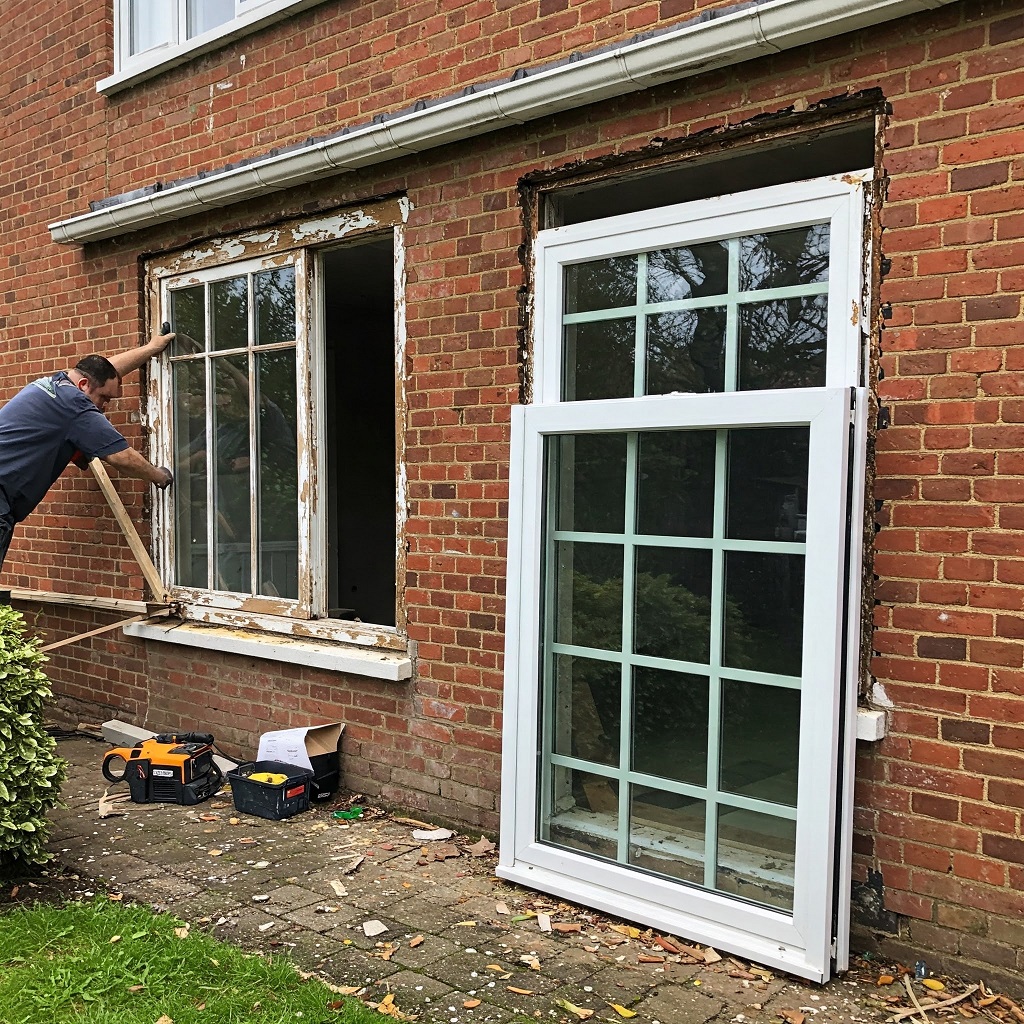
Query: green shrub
x=30, y=771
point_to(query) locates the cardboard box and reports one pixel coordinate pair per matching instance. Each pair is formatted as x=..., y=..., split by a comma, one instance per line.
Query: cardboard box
x=314, y=747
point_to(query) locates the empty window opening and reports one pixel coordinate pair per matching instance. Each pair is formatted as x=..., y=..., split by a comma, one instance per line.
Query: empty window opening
x=358, y=284
x=849, y=147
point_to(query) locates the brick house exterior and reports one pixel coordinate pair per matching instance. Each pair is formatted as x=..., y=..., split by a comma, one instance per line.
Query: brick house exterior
x=935, y=91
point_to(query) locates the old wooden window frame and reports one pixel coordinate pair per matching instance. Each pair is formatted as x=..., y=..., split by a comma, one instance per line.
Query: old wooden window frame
x=300, y=242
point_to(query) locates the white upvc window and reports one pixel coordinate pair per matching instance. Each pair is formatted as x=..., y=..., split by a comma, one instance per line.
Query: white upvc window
x=278, y=407
x=684, y=577
x=152, y=35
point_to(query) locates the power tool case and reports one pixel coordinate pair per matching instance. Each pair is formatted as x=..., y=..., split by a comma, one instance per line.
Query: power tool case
x=169, y=768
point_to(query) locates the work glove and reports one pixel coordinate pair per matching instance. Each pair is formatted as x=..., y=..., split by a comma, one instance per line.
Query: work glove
x=167, y=480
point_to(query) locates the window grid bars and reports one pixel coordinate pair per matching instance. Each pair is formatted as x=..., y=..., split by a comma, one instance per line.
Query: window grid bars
x=642, y=308
x=560, y=495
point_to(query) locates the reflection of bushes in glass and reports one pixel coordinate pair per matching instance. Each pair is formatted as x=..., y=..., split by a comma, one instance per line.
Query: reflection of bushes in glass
x=674, y=617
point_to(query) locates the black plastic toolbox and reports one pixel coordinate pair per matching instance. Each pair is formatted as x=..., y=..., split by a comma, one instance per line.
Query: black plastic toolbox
x=269, y=800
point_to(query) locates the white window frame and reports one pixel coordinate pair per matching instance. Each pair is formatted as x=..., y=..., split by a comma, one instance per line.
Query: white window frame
x=129, y=68
x=802, y=941
x=834, y=199
x=301, y=242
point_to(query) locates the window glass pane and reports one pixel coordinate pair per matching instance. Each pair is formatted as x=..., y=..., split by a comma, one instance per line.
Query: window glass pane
x=782, y=343
x=602, y=284
x=585, y=708
x=756, y=856
x=670, y=725
x=152, y=23
x=588, y=595
x=206, y=14
x=672, y=608
x=688, y=272
x=686, y=351
x=591, y=483
x=583, y=809
x=764, y=600
x=767, y=496
x=598, y=360
x=278, y=480
x=230, y=307
x=675, y=483
x=189, y=491
x=188, y=320
x=275, y=306
x=666, y=833
x=760, y=741
x=230, y=465
x=782, y=258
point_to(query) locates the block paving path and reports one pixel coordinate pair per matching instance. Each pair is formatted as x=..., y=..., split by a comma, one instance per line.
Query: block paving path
x=459, y=945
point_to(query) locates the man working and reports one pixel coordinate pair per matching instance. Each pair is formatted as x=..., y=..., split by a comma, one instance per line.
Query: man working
x=56, y=419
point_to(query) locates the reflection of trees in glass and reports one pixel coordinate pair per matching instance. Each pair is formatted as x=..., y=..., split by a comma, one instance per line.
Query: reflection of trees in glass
x=600, y=284
x=686, y=351
x=275, y=306
x=688, y=272
x=782, y=258
x=782, y=343
x=598, y=360
x=229, y=302
x=278, y=465
x=188, y=317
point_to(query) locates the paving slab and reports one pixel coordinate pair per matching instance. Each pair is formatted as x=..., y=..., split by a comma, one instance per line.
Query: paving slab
x=455, y=934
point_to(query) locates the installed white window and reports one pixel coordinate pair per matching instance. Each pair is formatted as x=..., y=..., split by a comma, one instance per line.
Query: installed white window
x=277, y=407
x=678, y=702
x=150, y=35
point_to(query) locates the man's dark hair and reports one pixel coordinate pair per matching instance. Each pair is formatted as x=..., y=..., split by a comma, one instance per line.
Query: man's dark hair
x=98, y=369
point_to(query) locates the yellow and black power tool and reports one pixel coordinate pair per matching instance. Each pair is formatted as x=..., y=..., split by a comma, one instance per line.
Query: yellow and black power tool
x=171, y=768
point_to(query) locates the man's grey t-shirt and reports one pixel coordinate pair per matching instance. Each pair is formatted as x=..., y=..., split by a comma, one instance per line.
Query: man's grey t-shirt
x=41, y=428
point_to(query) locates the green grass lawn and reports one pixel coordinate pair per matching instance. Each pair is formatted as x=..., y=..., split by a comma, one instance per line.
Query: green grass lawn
x=100, y=962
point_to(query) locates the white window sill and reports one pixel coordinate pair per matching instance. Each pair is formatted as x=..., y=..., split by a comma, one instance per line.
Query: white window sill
x=159, y=59
x=376, y=663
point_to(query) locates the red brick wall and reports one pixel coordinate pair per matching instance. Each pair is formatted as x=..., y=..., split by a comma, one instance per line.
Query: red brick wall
x=939, y=801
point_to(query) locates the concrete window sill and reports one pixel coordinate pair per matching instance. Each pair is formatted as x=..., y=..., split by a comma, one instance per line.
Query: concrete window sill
x=394, y=666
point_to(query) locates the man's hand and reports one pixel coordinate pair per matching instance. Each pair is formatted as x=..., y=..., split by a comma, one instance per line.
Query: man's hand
x=160, y=341
x=168, y=477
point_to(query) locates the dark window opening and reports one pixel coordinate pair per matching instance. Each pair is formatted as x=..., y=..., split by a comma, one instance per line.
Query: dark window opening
x=850, y=147
x=359, y=401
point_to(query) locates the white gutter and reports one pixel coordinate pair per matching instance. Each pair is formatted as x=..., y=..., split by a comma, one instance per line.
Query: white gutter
x=690, y=50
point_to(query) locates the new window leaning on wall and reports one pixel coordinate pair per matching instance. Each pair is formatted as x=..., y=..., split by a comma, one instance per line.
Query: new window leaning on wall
x=679, y=686
x=272, y=331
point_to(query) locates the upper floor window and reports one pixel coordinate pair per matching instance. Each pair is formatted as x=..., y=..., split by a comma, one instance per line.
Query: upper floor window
x=153, y=35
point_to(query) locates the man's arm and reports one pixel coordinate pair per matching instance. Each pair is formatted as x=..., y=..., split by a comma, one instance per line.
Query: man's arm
x=131, y=462
x=125, y=362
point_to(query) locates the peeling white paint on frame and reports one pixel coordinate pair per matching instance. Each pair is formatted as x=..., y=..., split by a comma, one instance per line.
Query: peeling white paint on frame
x=294, y=243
